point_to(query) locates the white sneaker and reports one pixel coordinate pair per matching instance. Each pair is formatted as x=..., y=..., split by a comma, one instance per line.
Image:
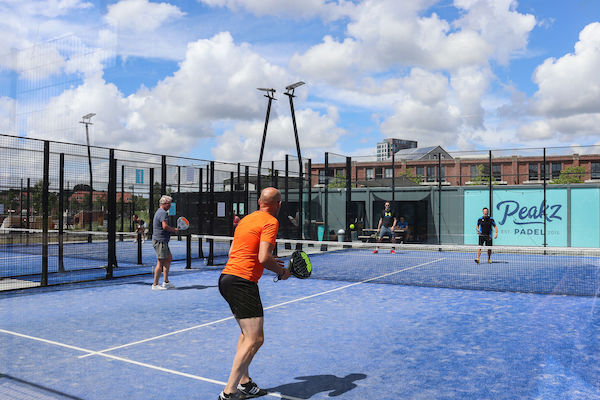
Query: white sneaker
x=168, y=285
x=158, y=287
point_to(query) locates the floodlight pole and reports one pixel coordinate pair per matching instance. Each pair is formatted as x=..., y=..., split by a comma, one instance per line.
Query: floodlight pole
x=290, y=94
x=86, y=120
x=270, y=94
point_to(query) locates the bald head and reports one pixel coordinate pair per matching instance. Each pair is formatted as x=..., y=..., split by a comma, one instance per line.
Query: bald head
x=270, y=200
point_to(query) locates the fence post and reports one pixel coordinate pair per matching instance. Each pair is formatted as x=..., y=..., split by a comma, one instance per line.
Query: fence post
x=45, y=188
x=61, y=208
x=112, y=214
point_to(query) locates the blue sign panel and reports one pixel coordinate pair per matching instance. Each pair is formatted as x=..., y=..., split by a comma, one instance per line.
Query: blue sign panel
x=139, y=176
x=519, y=215
x=173, y=209
x=585, y=217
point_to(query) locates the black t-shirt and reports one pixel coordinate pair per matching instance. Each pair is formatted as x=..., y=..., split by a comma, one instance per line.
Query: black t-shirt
x=485, y=225
x=387, y=218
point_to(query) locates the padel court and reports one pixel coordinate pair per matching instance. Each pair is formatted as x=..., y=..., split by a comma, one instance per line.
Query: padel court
x=386, y=328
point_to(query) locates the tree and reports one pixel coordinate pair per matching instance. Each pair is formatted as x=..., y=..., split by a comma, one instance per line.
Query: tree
x=338, y=182
x=413, y=178
x=570, y=175
x=482, y=177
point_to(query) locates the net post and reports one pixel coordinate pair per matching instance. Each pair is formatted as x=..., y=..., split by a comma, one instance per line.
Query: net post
x=188, y=251
x=139, y=248
x=61, y=208
x=112, y=214
x=45, y=188
x=151, y=205
x=211, y=252
x=349, y=198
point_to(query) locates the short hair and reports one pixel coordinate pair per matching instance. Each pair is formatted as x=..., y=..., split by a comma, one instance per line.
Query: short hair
x=134, y=215
x=165, y=199
x=485, y=208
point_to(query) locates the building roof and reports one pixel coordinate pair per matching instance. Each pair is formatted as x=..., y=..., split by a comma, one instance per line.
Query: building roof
x=421, y=153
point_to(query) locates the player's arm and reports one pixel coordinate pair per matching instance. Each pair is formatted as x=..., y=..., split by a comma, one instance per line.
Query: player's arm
x=268, y=260
x=167, y=228
x=379, y=225
x=477, y=228
x=495, y=229
x=394, y=224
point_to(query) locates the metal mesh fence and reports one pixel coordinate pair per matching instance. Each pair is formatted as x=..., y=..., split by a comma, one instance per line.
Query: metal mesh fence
x=62, y=203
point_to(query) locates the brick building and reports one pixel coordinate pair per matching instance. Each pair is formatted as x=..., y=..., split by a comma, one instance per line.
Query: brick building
x=458, y=170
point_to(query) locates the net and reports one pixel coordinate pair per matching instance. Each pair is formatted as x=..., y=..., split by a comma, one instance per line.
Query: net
x=560, y=271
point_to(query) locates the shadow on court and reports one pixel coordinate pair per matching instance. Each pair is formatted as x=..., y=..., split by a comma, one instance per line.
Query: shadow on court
x=314, y=384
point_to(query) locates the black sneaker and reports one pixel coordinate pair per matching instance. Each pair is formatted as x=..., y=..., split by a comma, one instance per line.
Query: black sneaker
x=250, y=390
x=223, y=396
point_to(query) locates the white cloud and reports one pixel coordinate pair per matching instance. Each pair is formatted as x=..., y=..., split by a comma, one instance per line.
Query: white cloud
x=217, y=81
x=141, y=15
x=328, y=10
x=571, y=84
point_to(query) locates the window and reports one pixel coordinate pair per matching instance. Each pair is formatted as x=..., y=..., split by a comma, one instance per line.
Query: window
x=369, y=173
x=340, y=172
x=474, y=172
x=378, y=172
x=420, y=172
x=389, y=173
x=443, y=171
x=431, y=173
x=595, y=170
x=321, y=176
x=533, y=172
x=497, y=172
x=556, y=168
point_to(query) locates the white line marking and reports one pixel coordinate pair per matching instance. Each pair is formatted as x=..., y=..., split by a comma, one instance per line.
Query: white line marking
x=141, y=364
x=266, y=308
x=196, y=377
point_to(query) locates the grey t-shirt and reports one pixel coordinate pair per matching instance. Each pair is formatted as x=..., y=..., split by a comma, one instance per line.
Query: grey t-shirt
x=158, y=232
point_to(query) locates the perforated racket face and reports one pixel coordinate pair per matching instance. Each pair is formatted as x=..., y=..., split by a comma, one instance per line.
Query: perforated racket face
x=183, y=223
x=300, y=265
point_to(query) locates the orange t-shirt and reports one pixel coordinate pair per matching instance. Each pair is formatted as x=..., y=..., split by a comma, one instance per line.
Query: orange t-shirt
x=260, y=226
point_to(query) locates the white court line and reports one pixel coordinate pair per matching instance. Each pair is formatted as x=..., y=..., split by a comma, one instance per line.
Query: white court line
x=196, y=377
x=141, y=364
x=266, y=308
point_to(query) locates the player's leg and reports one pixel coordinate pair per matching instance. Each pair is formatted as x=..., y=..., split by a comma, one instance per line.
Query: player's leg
x=250, y=340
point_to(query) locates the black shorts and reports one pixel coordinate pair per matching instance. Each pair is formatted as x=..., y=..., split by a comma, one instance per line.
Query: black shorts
x=485, y=240
x=242, y=295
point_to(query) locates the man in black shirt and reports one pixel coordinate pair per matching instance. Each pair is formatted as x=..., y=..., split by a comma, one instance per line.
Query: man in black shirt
x=386, y=225
x=484, y=229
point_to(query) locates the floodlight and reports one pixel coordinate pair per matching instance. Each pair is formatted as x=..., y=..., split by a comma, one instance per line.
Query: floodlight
x=294, y=85
x=88, y=116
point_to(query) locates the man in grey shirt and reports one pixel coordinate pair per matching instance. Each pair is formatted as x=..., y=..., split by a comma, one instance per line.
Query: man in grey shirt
x=161, y=234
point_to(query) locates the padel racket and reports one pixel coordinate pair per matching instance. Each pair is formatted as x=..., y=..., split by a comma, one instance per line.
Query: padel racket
x=183, y=223
x=299, y=265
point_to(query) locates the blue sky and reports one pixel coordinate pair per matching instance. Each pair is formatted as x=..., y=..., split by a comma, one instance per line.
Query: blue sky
x=180, y=77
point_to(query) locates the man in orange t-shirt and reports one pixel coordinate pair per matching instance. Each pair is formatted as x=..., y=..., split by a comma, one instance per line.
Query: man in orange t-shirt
x=250, y=252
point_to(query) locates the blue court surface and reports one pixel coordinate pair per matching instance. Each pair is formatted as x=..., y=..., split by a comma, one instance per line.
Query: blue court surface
x=383, y=331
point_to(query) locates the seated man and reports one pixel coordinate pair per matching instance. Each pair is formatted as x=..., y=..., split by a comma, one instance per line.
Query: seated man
x=403, y=225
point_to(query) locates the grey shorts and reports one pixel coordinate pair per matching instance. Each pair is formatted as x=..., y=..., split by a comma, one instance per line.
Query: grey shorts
x=384, y=230
x=162, y=249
